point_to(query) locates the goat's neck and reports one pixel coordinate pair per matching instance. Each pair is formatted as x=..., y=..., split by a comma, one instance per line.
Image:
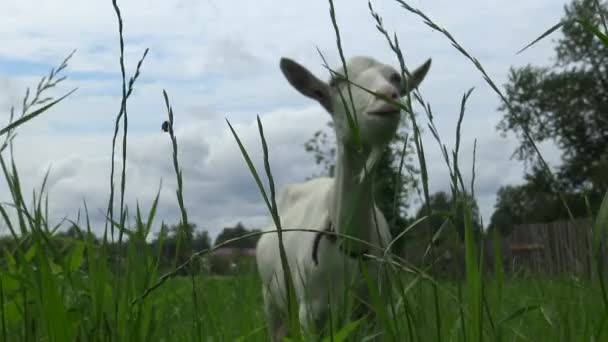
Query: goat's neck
x=351, y=207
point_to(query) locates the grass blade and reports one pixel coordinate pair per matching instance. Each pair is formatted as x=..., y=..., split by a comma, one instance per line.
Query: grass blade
x=593, y=29
x=519, y=312
x=291, y=302
x=542, y=36
x=33, y=114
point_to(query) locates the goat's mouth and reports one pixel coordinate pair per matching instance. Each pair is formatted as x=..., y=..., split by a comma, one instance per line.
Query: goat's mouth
x=385, y=112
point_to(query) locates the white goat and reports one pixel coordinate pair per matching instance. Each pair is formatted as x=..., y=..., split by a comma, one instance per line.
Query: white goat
x=320, y=262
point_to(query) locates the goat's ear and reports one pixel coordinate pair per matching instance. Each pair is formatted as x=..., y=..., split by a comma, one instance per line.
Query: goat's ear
x=416, y=77
x=306, y=83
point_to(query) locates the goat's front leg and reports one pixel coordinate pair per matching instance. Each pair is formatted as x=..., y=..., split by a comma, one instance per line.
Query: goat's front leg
x=313, y=317
x=277, y=327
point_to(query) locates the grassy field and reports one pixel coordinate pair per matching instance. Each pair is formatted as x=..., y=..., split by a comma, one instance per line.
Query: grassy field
x=228, y=308
x=76, y=289
x=535, y=309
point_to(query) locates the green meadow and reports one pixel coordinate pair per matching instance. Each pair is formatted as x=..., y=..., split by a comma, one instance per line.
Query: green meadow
x=119, y=287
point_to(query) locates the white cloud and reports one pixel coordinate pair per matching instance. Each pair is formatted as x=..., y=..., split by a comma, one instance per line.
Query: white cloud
x=218, y=188
x=219, y=59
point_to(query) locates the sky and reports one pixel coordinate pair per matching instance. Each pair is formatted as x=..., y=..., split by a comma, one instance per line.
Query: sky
x=218, y=61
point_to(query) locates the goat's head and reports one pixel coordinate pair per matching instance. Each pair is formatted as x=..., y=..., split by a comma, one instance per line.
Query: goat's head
x=378, y=119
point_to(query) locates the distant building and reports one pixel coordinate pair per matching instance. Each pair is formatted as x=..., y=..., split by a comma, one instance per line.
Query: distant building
x=230, y=261
x=233, y=252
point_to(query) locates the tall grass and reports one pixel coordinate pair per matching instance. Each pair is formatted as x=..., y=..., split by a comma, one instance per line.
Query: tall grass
x=75, y=288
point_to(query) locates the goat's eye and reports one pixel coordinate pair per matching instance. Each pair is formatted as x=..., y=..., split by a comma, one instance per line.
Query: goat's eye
x=395, y=78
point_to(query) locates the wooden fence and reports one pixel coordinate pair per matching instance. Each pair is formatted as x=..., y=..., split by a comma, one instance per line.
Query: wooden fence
x=549, y=248
x=556, y=248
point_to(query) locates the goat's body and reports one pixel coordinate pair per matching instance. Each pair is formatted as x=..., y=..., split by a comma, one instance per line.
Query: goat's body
x=322, y=269
x=305, y=206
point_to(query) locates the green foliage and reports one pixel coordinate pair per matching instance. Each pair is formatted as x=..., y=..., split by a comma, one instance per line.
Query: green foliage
x=236, y=232
x=201, y=241
x=536, y=202
x=179, y=240
x=566, y=102
x=294, y=323
x=445, y=208
x=322, y=146
x=233, y=265
x=36, y=103
x=74, y=233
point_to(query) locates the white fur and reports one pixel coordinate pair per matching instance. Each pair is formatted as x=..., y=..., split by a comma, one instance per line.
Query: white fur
x=345, y=200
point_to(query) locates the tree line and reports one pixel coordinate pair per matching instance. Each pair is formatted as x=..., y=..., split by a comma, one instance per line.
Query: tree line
x=565, y=103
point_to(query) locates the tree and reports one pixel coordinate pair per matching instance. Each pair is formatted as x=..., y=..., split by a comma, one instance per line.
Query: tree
x=322, y=146
x=438, y=202
x=201, y=241
x=185, y=233
x=76, y=233
x=533, y=202
x=236, y=232
x=566, y=103
x=444, y=207
x=169, y=236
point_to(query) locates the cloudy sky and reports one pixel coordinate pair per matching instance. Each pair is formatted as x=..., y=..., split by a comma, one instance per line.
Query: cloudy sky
x=219, y=59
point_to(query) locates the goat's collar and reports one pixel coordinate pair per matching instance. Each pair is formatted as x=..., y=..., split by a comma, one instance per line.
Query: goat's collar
x=333, y=238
